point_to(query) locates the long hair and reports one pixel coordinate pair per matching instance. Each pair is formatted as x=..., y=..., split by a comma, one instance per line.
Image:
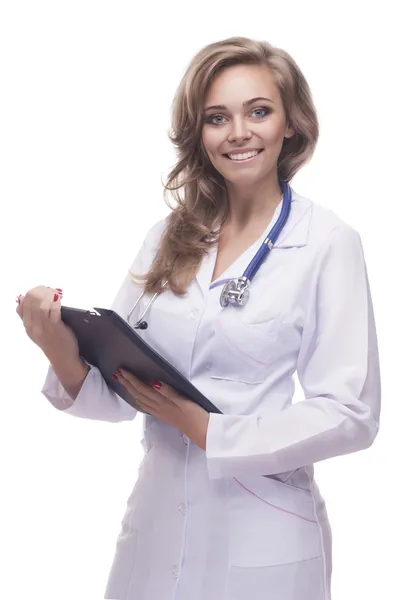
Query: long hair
x=198, y=189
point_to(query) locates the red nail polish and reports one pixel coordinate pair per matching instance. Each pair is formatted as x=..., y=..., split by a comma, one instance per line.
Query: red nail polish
x=118, y=372
x=115, y=377
x=55, y=297
x=59, y=290
x=156, y=385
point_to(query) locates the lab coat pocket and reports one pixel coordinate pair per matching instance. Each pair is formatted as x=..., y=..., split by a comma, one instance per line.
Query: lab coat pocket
x=303, y=580
x=243, y=351
x=297, y=479
x=271, y=523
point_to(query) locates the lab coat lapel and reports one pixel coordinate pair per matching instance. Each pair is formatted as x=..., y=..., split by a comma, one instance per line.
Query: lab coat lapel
x=206, y=270
x=294, y=234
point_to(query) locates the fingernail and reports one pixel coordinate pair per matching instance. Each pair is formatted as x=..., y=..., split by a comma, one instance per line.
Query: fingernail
x=115, y=377
x=59, y=290
x=55, y=297
x=156, y=385
x=118, y=372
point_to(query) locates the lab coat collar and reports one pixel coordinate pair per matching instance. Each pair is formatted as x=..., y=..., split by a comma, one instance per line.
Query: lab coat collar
x=295, y=232
x=293, y=235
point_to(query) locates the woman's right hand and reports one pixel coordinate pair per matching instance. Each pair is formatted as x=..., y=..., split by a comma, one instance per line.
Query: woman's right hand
x=40, y=312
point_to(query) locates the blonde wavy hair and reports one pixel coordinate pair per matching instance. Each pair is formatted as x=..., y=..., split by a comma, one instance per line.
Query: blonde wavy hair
x=198, y=189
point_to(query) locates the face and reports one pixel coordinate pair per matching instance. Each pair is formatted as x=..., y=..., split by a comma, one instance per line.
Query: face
x=244, y=124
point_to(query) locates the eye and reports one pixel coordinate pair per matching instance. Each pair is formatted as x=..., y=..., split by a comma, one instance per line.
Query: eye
x=215, y=119
x=261, y=112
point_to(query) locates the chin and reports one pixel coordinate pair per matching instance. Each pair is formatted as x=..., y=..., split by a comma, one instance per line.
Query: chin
x=243, y=178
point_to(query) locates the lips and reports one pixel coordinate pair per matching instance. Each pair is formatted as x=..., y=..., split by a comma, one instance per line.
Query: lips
x=241, y=151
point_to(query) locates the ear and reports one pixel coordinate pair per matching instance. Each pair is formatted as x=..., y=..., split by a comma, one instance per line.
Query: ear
x=289, y=132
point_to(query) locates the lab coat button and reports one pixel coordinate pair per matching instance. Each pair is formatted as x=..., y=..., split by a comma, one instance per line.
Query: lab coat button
x=185, y=439
x=175, y=572
x=182, y=508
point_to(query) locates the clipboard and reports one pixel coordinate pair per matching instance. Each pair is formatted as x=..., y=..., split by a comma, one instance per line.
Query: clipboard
x=108, y=342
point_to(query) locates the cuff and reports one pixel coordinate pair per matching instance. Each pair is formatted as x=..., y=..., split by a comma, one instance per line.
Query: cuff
x=56, y=394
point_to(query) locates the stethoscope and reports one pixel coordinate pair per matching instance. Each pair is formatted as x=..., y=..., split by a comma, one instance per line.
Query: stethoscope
x=235, y=292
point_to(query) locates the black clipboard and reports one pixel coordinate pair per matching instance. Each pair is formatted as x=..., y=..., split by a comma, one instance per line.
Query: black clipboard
x=108, y=342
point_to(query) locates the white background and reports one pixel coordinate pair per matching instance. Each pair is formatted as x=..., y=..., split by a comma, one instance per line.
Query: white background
x=86, y=89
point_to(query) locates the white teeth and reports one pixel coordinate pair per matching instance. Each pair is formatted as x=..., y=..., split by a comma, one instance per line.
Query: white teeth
x=243, y=156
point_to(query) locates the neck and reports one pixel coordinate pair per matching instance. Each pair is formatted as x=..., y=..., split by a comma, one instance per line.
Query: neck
x=248, y=205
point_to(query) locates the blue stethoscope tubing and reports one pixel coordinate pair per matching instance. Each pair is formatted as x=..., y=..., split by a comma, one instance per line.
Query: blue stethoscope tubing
x=269, y=241
x=236, y=292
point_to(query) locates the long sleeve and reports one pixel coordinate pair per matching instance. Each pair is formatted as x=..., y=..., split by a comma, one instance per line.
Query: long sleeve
x=338, y=369
x=95, y=399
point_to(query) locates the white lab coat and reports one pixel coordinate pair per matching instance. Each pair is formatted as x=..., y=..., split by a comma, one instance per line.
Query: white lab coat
x=209, y=525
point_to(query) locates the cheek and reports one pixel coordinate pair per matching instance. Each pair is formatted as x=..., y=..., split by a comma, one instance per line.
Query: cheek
x=273, y=133
x=211, y=143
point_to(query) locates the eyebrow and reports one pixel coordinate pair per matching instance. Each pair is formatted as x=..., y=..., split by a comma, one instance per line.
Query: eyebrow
x=246, y=103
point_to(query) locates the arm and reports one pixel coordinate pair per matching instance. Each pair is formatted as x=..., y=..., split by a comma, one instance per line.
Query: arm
x=94, y=400
x=338, y=369
x=79, y=389
x=71, y=372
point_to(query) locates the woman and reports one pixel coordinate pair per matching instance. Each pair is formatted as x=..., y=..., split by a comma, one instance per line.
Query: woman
x=226, y=506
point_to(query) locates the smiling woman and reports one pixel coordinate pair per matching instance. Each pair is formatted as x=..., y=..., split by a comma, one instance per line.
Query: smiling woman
x=237, y=96
x=226, y=506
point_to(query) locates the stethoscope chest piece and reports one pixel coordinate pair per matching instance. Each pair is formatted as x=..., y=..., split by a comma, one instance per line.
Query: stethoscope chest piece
x=236, y=293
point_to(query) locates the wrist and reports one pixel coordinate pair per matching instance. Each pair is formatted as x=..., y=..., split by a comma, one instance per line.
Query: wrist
x=198, y=435
x=70, y=362
x=71, y=371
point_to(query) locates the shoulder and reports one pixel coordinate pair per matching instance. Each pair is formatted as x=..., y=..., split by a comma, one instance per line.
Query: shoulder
x=152, y=238
x=324, y=224
x=148, y=247
x=156, y=231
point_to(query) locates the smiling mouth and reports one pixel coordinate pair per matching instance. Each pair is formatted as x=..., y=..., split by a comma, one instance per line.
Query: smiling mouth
x=243, y=156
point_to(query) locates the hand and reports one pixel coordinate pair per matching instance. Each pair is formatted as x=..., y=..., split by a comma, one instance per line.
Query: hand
x=40, y=312
x=164, y=403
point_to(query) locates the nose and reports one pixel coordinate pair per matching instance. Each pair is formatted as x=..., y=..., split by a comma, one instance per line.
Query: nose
x=239, y=130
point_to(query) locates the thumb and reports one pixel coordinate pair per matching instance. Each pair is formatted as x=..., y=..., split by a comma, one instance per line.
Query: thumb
x=20, y=303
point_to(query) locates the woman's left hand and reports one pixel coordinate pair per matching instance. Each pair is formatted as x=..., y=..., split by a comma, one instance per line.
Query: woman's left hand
x=164, y=403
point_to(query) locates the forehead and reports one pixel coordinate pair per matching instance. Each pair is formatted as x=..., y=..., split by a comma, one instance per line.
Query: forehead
x=240, y=82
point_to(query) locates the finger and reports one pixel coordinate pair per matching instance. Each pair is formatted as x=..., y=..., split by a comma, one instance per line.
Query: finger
x=50, y=308
x=40, y=310
x=139, y=386
x=147, y=408
x=138, y=389
x=27, y=313
x=168, y=392
x=127, y=384
x=55, y=311
x=20, y=306
x=149, y=404
x=133, y=380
